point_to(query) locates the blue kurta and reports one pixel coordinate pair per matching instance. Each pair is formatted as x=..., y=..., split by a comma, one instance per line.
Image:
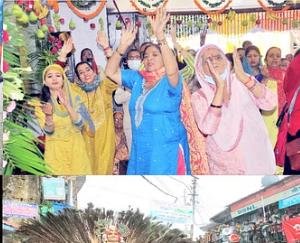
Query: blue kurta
x=157, y=130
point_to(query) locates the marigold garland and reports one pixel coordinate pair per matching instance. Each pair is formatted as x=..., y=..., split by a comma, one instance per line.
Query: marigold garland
x=86, y=16
x=204, y=10
x=267, y=9
x=144, y=10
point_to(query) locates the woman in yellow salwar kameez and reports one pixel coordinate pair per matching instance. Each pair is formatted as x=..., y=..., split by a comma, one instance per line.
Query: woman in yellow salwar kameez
x=59, y=114
x=274, y=77
x=96, y=92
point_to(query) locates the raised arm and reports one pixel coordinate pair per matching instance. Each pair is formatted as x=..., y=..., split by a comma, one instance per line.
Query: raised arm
x=265, y=98
x=188, y=71
x=257, y=89
x=158, y=24
x=65, y=50
x=102, y=41
x=112, y=69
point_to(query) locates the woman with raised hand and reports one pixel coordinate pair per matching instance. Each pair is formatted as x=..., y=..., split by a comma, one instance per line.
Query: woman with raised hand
x=96, y=93
x=95, y=90
x=60, y=117
x=226, y=108
x=159, y=139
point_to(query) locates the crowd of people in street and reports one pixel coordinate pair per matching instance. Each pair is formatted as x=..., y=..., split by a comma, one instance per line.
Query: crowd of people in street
x=258, y=230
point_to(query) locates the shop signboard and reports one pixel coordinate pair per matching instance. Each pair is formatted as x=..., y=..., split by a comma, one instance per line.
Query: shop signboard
x=173, y=214
x=290, y=201
x=54, y=189
x=266, y=201
x=54, y=208
x=247, y=209
x=19, y=209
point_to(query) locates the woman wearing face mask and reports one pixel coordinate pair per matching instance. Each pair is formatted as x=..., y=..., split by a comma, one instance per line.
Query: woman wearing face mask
x=226, y=109
x=159, y=139
x=122, y=95
x=60, y=116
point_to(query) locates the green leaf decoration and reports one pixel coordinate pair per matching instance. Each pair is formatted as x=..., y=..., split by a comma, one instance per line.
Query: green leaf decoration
x=21, y=149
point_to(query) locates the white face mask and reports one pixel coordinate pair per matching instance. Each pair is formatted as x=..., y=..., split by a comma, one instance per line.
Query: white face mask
x=134, y=64
x=210, y=80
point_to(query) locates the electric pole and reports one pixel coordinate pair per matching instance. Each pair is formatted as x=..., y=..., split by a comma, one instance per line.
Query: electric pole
x=194, y=199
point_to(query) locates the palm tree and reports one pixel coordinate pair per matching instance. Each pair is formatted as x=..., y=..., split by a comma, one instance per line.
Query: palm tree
x=89, y=226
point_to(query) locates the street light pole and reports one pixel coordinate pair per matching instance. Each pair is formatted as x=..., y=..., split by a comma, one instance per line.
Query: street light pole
x=194, y=195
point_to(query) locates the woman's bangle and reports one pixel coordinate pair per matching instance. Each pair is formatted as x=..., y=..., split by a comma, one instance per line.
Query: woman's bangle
x=162, y=42
x=249, y=80
x=253, y=86
x=106, y=48
x=121, y=54
x=216, y=106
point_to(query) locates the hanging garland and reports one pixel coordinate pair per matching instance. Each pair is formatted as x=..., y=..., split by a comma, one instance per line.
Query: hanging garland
x=212, y=5
x=83, y=5
x=277, y=4
x=147, y=7
x=86, y=16
x=268, y=9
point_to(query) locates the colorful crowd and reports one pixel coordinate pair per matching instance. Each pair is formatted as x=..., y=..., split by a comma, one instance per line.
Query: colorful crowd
x=256, y=230
x=212, y=113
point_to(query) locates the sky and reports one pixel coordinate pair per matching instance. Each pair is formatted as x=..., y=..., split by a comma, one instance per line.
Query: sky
x=120, y=192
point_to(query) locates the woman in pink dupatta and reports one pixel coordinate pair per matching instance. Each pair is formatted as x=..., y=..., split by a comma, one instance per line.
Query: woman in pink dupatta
x=226, y=110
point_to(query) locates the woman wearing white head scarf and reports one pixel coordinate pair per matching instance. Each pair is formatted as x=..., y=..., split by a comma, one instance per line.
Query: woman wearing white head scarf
x=226, y=109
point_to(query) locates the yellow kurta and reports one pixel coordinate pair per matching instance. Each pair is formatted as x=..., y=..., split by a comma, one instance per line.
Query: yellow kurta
x=65, y=150
x=101, y=147
x=270, y=117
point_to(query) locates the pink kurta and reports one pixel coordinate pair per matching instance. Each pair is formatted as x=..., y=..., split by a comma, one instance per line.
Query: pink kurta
x=237, y=140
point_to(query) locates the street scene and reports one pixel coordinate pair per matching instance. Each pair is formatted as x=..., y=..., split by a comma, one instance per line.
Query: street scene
x=151, y=209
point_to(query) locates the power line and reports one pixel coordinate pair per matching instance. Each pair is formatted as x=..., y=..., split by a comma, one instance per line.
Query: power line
x=181, y=182
x=158, y=188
